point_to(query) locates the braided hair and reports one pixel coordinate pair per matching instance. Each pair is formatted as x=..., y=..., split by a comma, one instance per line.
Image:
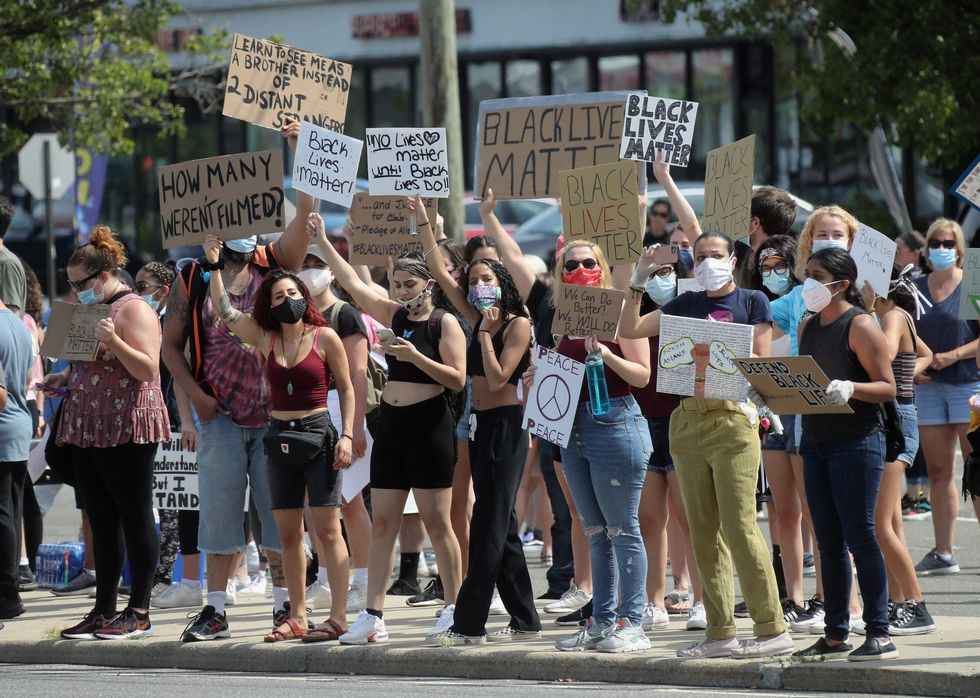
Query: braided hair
x=510, y=298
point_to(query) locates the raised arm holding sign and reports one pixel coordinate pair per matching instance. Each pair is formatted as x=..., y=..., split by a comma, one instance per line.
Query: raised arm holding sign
x=658, y=129
x=326, y=164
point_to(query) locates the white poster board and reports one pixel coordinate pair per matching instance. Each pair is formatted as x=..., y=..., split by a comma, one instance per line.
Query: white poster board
x=658, y=129
x=874, y=254
x=967, y=187
x=326, y=164
x=175, y=476
x=549, y=409
x=408, y=161
x=697, y=358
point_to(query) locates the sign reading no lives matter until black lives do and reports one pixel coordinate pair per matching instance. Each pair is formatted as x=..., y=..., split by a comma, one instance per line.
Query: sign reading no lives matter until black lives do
x=231, y=196
x=658, y=129
x=406, y=161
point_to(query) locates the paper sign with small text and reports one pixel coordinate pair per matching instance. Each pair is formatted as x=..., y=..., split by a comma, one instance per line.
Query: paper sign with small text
x=874, y=254
x=728, y=177
x=790, y=384
x=326, y=164
x=71, y=331
x=581, y=311
x=967, y=187
x=408, y=161
x=600, y=204
x=549, y=408
x=697, y=357
x=657, y=129
x=970, y=286
x=175, y=476
x=381, y=228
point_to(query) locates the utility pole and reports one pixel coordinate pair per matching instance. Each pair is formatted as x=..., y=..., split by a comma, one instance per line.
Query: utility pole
x=440, y=98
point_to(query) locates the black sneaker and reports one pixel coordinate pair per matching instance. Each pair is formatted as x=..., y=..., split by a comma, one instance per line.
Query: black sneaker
x=433, y=595
x=206, y=625
x=549, y=596
x=404, y=587
x=932, y=564
x=821, y=650
x=86, y=629
x=906, y=506
x=874, y=649
x=792, y=611
x=82, y=584
x=913, y=620
x=576, y=618
x=25, y=579
x=128, y=624
x=741, y=610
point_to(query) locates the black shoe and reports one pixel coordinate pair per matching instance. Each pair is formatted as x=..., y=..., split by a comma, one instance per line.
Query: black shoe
x=914, y=619
x=86, y=629
x=576, y=618
x=873, y=649
x=404, y=587
x=550, y=596
x=741, y=610
x=206, y=625
x=791, y=611
x=25, y=579
x=433, y=595
x=821, y=650
x=11, y=610
x=280, y=617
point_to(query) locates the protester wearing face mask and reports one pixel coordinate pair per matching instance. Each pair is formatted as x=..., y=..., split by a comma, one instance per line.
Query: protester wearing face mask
x=715, y=448
x=942, y=393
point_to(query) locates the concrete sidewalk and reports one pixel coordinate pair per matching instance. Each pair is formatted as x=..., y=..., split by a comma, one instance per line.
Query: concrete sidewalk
x=945, y=663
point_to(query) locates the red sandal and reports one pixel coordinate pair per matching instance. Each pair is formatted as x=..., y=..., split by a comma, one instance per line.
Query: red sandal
x=329, y=630
x=294, y=631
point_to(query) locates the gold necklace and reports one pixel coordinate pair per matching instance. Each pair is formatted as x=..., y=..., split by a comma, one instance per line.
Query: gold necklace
x=299, y=344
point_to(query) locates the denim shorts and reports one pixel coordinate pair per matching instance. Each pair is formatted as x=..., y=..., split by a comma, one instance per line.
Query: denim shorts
x=229, y=458
x=944, y=403
x=463, y=425
x=910, y=430
x=660, y=461
x=786, y=441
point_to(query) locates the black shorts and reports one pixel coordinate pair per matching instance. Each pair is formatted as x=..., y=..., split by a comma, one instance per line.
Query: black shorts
x=416, y=446
x=290, y=485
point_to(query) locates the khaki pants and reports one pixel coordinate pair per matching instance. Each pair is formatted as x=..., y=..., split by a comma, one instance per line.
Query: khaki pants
x=716, y=450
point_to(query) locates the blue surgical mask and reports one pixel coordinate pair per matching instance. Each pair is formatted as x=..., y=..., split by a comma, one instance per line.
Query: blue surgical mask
x=827, y=244
x=942, y=259
x=89, y=297
x=687, y=258
x=483, y=297
x=243, y=245
x=155, y=304
x=661, y=288
x=777, y=282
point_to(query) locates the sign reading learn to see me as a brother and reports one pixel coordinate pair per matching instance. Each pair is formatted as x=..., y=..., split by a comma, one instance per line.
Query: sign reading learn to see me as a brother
x=268, y=82
x=581, y=311
x=231, y=196
x=658, y=129
x=326, y=163
x=408, y=161
x=523, y=143
x=381, y=228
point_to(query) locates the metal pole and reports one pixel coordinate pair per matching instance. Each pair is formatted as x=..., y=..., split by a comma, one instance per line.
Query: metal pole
x=48, y=225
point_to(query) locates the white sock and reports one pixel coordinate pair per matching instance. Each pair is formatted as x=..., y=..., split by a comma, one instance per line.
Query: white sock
x=280, y=595
x=23, y=561
x=191, y=583
x=360, y=577
x=945, y=557
x=321, y=576
x=217, y=599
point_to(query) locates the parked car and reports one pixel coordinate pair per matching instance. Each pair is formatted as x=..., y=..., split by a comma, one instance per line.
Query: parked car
x=511, y=213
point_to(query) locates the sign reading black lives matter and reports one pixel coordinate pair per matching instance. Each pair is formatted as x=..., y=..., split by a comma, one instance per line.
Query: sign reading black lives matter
x=175, y=476
x=71, y=331
x=268, y=82
x=581, y=311
x=408, y=161
x=658, y=129
x=326, y=164
x=790, y=384
x=549, y=408
x=231, y=196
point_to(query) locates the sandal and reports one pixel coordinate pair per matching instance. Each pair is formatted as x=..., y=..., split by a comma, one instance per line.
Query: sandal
x=330, y=630
x=293, y=631
x=677, y=603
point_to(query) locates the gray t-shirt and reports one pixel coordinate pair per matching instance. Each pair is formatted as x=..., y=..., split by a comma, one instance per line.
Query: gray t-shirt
x=15, y=418
x=13, y=284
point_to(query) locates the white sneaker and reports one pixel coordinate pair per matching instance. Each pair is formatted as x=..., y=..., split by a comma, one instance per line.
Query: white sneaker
x=857, y=624
x=773, y=647
x=571, y=600
x=710, y=649
x=624, y=638
x=256, y=586
x=697, y=619
x=179, y=595
x=444, y=623
x=356, y=598
x=318, y=595
x=242, y=582
x=367, y=629
x=230, y=591
x=252, y=559
x=158, y=588
x=654, y=617
x=497, y=605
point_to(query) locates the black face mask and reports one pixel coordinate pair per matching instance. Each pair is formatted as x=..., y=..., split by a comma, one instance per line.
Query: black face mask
x=290, y=311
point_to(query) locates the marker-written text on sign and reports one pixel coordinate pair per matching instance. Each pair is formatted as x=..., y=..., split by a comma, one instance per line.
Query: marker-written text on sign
x=326, y=164
x=658, y=129
x=581, y=311
x=600, y=204
x=408, y=161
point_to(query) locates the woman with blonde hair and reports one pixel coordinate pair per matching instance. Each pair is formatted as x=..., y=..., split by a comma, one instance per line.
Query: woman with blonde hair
x=827, y=226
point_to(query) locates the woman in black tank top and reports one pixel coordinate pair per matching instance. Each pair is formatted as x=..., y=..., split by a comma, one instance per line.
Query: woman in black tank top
x=843, y=454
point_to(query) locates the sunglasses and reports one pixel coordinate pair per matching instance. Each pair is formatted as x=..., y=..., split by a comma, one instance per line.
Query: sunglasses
x=573, y=264
x=659, y=214
x=80, y=285
x=947, y=244
x=144, y=286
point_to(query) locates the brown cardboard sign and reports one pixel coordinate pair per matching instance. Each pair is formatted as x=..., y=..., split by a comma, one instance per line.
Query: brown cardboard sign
x=231, y=196
x=728, y=176
x=268, y=82
x=71, y=331
x=790, y=384
x=381, y=228
x=581, y=311
x=600, y=204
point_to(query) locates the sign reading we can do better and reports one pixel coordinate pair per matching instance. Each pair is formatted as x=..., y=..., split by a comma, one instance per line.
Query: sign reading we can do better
x=581, y=311
x=408, y=161
x=658, y=129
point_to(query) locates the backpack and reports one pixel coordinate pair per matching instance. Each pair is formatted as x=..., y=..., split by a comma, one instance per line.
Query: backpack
x=433, y=329
x=376, y=374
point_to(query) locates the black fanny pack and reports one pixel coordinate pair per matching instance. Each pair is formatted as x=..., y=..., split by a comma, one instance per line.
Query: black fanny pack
x=296, y=442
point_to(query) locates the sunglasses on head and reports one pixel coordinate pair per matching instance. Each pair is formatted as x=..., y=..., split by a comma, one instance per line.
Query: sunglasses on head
x=573, y=264
x=947, y=244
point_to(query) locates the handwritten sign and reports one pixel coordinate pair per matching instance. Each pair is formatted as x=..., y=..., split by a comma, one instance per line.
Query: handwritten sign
x=326, y=164
x=581, y=311
x=790, y=384
x=408, y=161
x=970, y=286
x=231, y=196
x=549, y=408
x=658, y=129
x=71, y=331
x=967, y=187
x=697, y=357
x=600, y=204
x=874, y=255
x=523, y=143
x=268, y=82
x=175, y=476
x=381, y=228
x=728, y=189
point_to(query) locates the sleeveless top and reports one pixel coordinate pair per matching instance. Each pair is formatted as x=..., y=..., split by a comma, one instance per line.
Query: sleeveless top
x=415, y=332
x=474, y=354
x=301, y=387
x=653, y=404
x=106, y=406
x=941, y=328
x=575, y=349
x=828, y=345
x=903, y=366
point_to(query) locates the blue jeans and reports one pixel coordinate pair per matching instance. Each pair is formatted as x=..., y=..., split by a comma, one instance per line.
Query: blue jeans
x=605, y=464
x=842, y=480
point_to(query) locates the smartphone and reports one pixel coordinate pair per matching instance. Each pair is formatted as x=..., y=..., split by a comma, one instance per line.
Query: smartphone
x=386, y=334
x=61, y=392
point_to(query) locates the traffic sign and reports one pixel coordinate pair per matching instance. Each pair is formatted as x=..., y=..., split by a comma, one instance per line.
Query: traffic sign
x=30, y=161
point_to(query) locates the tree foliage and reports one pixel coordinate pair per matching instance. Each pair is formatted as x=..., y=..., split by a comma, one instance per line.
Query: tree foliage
x=913, y=72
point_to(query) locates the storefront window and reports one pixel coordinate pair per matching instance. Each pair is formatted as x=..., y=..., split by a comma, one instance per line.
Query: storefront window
x=666, y=74
x=570, y=76
x=523, y=78
x=392, y=101
x=713, y=91
x=619, y=72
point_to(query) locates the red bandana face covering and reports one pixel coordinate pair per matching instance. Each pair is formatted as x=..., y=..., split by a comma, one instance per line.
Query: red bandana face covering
x=583, y=277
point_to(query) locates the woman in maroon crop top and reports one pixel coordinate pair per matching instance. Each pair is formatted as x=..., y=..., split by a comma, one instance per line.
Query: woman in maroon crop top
x=302, y=353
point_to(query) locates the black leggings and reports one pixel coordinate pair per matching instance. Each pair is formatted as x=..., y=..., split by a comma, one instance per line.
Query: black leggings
x=178, y=530
x=33, y=524
x=117, y=487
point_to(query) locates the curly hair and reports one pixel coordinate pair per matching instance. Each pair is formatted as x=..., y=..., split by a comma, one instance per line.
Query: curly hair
x=161, y=272
x=102, y=252
x=805, y=245
x=510, y=298
x=477, y=243
x=262, y=312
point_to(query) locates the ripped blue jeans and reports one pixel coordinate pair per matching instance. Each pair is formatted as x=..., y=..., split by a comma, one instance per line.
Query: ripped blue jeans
x=605, y=464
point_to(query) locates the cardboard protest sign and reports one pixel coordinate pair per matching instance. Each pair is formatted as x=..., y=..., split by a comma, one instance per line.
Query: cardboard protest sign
x=268, y=82
x=657, y=129
x=697, y=357
x=790, y=384
x=967, y=187
x=685, y=285
x=549, y=407
x=874, y=255
x=408, y=161
x=970, y=286
x=581, y=311
x=523, y=143
x=600, y=204
x=728, y=189
x=231, y=196
x=175, y=476
x=71, y=331
x=326, y=164
x=381, y=228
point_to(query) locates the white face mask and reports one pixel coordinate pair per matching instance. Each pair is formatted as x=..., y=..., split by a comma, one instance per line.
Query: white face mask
x=827, y=244
x=816, y=295
x=714, y=273
x=316, y=280
x=417, y=303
